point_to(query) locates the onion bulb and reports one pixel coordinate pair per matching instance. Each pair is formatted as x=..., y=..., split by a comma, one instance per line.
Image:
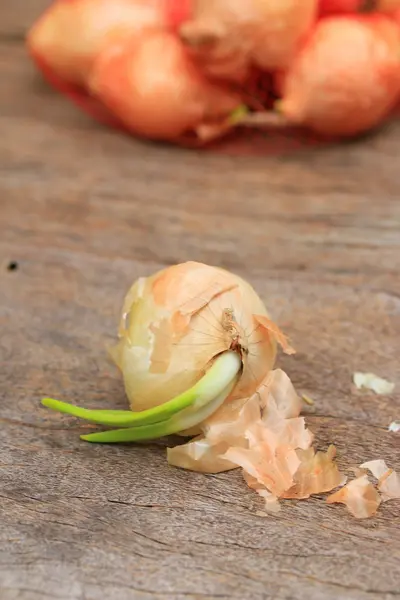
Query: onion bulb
x=156, y=90
x=344, y=81
x=347, y=79
x=191, y=338
x=71, y=33
x=228, y=36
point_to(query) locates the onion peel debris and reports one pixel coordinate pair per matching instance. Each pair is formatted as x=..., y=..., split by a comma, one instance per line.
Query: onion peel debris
x=394, y=426
x=360, y=497
x=370, y=381
x=388, y=479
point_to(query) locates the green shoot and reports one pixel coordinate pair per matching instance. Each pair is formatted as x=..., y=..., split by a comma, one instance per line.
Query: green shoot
x=222, y=372
x=185, y=420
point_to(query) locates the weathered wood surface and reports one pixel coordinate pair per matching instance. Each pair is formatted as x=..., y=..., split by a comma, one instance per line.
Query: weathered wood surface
x=84, y=211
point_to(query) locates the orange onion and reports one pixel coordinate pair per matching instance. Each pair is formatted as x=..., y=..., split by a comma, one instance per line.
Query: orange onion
x=344, y=81
x=71, y=33
x=347, y=79
x=228, y=36
x=156, y=90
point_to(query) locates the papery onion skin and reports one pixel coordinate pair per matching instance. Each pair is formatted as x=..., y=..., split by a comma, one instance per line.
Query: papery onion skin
x=156, y=90
x=360, y=497
x=198, y=455
x=388, y=480
x=70, y=33
x=177, y=321
x=228, y=36
x=267, y=438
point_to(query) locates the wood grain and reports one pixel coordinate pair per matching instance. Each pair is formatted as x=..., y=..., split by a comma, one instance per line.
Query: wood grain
x=83, y=212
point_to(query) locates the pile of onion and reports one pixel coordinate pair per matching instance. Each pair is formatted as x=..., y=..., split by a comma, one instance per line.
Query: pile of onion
x=191, y=71
x=197, y=351
x=121, y=61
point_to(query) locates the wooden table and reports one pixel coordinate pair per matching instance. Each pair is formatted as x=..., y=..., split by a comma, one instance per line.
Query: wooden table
x=84, y=211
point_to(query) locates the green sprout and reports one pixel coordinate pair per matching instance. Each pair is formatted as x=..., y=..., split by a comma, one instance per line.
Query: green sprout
x=182, y=412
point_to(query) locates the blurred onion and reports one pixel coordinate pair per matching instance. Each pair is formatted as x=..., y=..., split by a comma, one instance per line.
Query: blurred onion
x=154, y=88
x=71, y=33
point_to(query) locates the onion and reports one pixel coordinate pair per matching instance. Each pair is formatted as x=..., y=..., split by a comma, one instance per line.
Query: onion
x=345, y=81
x=227, y=36
x=192, y=337
x=71, y=33
x=78, y=95
x=156, y=90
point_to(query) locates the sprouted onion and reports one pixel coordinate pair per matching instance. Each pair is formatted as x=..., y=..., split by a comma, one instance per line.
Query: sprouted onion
x=197, y=350
x=191, y=337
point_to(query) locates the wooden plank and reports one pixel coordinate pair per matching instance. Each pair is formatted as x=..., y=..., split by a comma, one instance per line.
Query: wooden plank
x=84, y=211
x=18, y=16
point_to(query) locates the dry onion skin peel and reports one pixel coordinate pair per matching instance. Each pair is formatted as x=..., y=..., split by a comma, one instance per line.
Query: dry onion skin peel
x=344, y=81
x=191, y=338
x=394, y=426
x=370, y=381
x=388, y=479
x=269, y=440
x=361, y=496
